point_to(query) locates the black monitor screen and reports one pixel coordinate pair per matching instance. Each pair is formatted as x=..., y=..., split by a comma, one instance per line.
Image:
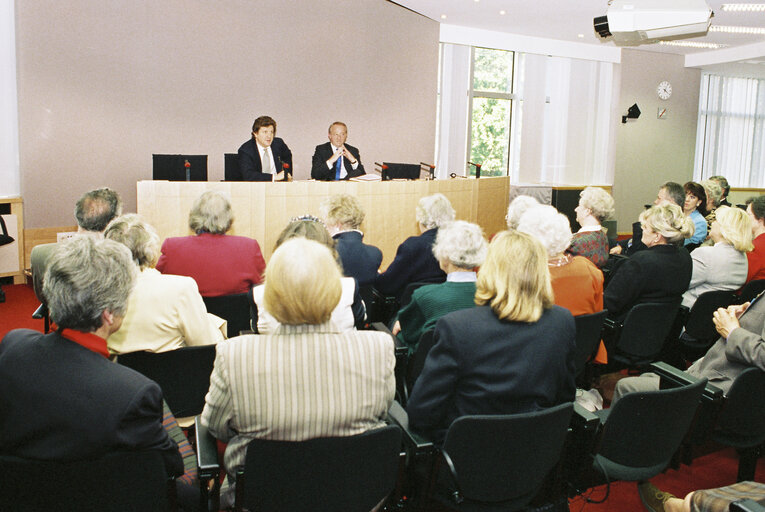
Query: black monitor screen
x=400, y=171
x=173, y=167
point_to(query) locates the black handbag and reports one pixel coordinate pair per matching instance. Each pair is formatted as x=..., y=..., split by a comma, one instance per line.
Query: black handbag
x=5, y=238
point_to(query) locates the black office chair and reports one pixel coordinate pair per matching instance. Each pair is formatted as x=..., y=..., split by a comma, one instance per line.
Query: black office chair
x=183, y=374
x=589, y=329
x=417, y=361
x=352, y=473
x=643, y=430
x=117, y=482
x=39, y=262
x=700, y=332
x=751, y=290
x=235, y=309
x=231, y=170
x=747, y=506
x=639, y=340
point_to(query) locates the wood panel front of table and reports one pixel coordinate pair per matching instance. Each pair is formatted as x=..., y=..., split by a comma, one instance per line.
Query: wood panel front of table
x=262, y=210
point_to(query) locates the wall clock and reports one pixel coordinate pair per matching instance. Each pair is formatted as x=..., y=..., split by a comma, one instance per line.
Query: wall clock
x=664, y=90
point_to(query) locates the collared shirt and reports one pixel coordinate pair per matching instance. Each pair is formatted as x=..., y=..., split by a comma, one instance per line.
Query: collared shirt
x=88, y=340
x=343, y=172
x=261, y=149
x=587, y=229
x=461, y=277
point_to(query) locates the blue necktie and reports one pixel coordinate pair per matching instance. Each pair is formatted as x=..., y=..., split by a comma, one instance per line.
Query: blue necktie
x=338, y=167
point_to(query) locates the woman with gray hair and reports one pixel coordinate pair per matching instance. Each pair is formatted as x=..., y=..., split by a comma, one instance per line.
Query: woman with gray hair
x=460, y=248
x=164, y=312
x=517, y=208
x=414, y=261
x=595, y=206
x=577, y=283
x=221, y=264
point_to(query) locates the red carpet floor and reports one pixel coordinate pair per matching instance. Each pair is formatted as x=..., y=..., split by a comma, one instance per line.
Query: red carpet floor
x=16, y=311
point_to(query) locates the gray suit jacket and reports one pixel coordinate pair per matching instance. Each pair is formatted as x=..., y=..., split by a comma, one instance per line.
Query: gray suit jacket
x=744, y=348
x=719, y=267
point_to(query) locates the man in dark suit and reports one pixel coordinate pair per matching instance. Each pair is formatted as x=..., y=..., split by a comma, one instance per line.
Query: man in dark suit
x=61, y=398
x=336, y=160
x=265, y=154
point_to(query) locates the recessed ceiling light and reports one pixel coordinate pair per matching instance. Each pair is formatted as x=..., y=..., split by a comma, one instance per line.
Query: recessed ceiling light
x=476, y=1
x=502, y=13
x=743, y=7
x=736, y=30
x=580, y=36
x=443, y=16
x=693, y=44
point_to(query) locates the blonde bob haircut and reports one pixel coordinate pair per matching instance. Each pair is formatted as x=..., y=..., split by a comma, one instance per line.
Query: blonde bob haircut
x=598, y=201
x=302, y=284
x=735, y=227
x=344, y=210
x=669, y=221
x=211, y=213
x=514, y=280
x=139, y=236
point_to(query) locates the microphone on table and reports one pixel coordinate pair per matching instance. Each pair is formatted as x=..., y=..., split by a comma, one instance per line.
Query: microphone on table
x=477, y=169
x=287, y=173
x=187, y=165
x=431, y=170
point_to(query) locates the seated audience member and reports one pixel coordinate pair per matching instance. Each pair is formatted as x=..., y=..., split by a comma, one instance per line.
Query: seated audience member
x=725, y=188
x=336, y=160
x=350, y=311
x=670, y=192
x=460, y=248
x=705, y=500
x=220, y=264
x=755, y=207
x=576, y=282
x=61, y=399
x=265, y=153
x=414, y=261
x=722, y=266
x=695, y=208
x=517, y=208
x=713, y=191
x=343, y=215
x=513, y=353
x=165, y=312
x=278, y=386
x=595, y=206
x=659, y=273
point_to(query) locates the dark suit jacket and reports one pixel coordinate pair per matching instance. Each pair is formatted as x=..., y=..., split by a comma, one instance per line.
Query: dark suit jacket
x=656, y=274
x=414, y=262
x=249, y=158
x=319, y=169
x=359, y=259
x=482, y=365
x=61, y=401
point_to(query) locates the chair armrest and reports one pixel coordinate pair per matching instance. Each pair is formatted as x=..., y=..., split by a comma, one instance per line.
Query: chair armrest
x=746, y=506
x=671, y=377
x=207, y=451
x=400, y=348
x=420, y=444
x=41, y=312
x=582, y=418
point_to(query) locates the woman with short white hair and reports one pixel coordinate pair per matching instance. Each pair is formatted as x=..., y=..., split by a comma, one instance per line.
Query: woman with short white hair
x=517, y=208
x=595, y=206
x=221, y=264
x=414, y=261
x=460, y=249
x=576, y=281
x=724, y=265
x=164, y=312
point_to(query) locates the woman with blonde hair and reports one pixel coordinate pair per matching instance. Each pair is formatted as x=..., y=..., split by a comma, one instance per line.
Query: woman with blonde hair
x=511, y=354
x=724, y=265
x=659, y=273
x=595, y=206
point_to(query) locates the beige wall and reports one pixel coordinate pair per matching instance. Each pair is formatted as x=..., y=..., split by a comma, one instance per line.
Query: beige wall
x=651, y=151
x=103, y=85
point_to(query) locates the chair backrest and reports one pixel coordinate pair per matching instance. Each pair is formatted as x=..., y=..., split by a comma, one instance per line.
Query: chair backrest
x=588, y=333
x=231, y=170
x=350, y=473
x=396, y=171
x=183, y=374
x=644, y=331
x=417, y=360
x=742, y=420
x=504, y=459
x=406, y=295
x=751, y=290
x=173, y=168
x=120, y=481
x=644, y=429
x=699, y=324
x=39, y=262
x=235, y=309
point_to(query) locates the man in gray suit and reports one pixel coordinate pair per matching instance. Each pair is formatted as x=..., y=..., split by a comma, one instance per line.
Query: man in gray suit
x=741, y=345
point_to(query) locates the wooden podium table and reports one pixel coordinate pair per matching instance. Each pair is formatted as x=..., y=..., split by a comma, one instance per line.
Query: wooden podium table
x=262, y=210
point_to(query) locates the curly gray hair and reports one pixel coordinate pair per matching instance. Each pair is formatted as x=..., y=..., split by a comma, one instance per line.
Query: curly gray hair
x=211, y=213
x=434, y=211
x=548, y=226
x=84, y=278
x=138, y=236
x=517, y=208
x=460, y=243
x=598, y=201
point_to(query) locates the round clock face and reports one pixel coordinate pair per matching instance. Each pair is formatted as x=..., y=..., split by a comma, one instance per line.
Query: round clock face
x=664, y=90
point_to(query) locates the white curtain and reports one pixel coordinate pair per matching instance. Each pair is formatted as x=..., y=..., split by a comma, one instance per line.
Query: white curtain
x=730, y=139
x=10, y=182
x=451, y=146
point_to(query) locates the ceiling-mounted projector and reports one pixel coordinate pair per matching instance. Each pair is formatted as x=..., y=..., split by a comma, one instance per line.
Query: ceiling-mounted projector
x=633, y=22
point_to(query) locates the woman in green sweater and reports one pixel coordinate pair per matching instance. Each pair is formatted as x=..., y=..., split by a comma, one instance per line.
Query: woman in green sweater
x=460, y=248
